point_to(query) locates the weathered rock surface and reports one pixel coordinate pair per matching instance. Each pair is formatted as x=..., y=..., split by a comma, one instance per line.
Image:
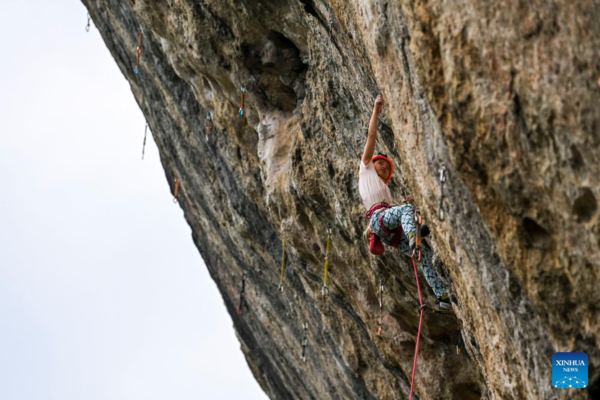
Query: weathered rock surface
x=504, y=94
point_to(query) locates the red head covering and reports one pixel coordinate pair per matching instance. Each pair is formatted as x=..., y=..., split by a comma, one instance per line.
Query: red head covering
x=391, y=164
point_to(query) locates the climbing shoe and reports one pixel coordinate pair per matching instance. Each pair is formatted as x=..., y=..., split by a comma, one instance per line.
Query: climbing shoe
x=443, y=305
x=375, y=244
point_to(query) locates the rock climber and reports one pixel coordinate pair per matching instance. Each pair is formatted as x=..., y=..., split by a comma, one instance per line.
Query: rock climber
x=390, y=223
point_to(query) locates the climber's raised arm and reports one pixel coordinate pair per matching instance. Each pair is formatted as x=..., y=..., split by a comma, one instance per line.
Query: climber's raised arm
x=372, y=137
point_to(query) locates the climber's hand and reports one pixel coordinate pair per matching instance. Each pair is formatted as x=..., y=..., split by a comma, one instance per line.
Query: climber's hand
x=410, y=199
x=378, y=104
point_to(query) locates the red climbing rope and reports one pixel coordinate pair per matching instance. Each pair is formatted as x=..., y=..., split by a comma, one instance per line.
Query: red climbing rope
x=412, y=382
x=415, y=259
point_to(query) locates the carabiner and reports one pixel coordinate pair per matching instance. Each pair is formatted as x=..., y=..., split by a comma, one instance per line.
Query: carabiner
x=418, y=259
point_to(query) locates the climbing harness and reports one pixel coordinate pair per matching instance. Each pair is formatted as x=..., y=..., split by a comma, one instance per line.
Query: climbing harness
x=87, y=27
x=380, y=320
x=282, y=266
x=243, y=90
x=304, y=343
x=415, y=260
x=144, y=145
x=374, y=241
x=442, y=181
x=242, y=292
x=138, y=53
x=325, y=289
x=176, y=190
x=208, y=119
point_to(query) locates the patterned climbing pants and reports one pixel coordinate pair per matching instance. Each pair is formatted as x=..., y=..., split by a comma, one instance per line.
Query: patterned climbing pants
x=403, y=216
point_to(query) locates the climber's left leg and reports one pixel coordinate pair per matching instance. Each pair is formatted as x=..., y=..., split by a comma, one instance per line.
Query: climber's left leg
x=431, y=275
x=401, y=216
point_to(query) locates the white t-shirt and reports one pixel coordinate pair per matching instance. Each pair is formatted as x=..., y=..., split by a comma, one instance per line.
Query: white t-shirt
x=371, y=187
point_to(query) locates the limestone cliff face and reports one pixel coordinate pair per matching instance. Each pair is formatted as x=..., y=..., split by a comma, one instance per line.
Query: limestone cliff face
x=504, y=94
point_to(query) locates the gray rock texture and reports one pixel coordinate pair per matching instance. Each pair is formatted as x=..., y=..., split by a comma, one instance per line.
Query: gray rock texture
x=503, y=94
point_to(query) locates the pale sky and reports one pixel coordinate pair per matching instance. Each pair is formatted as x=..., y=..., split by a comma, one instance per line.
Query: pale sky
x=103, y=295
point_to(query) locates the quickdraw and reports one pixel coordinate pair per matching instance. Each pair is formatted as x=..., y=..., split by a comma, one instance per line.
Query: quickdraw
x=243, y=90
x=208, y=119
x=304, y=343
x=458, y=349
x=242, y=292
x=417, y=255
x=87, y=27
x=325, y=289
x=442, y=181
x=380, y=320
x=144, y=145
x=282, y=266
x=176, y=190
x=138, y=53
x=415, y=260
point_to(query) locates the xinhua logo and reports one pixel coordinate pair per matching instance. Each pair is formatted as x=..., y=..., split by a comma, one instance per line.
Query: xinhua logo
x=569, y=370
